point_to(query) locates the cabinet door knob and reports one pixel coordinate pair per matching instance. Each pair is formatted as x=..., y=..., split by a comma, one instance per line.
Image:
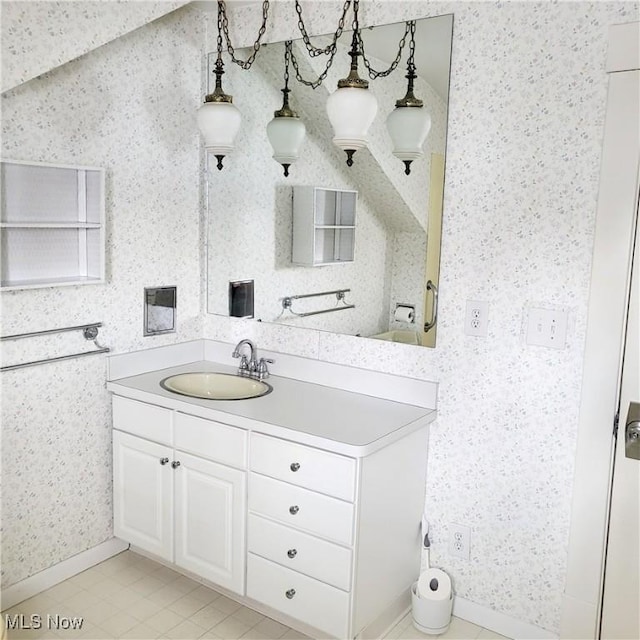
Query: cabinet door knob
x=164, y=461
x=290, y=593
x=294, y=466
x=292, y=553
x=175, y=464
x=294, y=509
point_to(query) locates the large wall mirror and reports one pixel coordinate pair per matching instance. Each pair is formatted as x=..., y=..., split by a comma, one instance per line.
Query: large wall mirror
x=374, y=269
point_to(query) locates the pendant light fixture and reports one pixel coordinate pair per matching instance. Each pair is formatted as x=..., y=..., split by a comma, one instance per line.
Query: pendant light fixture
x=409, y=123
x=218, y=118
x=352, y=108
x=286, y=131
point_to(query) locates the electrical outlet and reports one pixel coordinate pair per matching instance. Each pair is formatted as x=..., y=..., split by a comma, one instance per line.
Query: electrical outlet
x=459, y=540
x=476, y=318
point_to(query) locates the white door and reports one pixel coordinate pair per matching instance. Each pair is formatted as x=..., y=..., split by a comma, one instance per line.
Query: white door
x=621, y=597
x=210, y=520
x=143, y=494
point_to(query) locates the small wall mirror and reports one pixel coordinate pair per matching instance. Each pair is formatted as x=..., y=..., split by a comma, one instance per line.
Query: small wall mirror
x=159, y=310
x=396, y=235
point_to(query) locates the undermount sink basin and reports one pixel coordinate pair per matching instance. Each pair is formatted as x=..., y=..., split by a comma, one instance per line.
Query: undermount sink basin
x=215, y=386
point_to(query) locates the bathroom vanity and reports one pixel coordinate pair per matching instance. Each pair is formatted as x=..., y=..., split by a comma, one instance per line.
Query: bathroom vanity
x=304, y=504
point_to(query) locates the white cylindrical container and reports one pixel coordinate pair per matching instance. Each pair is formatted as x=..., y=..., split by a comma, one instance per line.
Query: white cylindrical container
x=431, y=607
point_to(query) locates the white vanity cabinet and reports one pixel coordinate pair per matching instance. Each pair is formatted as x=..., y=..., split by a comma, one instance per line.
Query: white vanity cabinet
x=184, y=508
x=334, y=541
x=307, y=511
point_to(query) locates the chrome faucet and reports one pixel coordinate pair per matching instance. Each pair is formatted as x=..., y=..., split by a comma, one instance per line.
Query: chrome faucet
x=251, y=366
x=248, y=366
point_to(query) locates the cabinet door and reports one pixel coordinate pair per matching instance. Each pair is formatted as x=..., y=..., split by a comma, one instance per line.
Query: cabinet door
x=210, y=521
x=143, y=494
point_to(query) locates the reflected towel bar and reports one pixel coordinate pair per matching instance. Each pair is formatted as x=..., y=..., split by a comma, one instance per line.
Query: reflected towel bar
x=287, y=302
x=89, y=331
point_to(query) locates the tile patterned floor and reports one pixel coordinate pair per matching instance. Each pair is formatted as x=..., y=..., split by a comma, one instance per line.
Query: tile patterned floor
x=132, y=597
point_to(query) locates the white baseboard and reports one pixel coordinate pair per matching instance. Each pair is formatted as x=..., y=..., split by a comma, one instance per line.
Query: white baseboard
x=499, y=622
x=68, y=568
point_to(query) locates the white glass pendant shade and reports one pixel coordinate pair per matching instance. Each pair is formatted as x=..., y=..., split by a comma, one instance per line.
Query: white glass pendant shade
x=408, y=128
x=286, y=135
x=219, y=122
x=351, y=111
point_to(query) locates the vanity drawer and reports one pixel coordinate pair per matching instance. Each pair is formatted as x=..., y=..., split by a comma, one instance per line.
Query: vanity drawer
x=299, y=551
x=213, y=440
x=301, y=508
x=303, y=598
x=142, y=419
x=304, y=466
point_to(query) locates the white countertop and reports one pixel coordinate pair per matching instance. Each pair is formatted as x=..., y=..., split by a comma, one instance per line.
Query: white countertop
x=341, y=421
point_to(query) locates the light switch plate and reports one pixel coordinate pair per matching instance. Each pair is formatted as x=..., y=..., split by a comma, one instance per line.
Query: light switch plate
x=547, y=327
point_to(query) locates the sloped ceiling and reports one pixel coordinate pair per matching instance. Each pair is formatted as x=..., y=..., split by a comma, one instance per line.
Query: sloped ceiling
x=37, y=36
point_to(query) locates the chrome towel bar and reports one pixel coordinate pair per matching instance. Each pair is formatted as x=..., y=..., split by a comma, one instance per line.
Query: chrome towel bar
x=32, y=334
x=89, y=331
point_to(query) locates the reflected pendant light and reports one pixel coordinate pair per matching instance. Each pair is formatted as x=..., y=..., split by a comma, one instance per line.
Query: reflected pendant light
x=218, y=118
x=352, y=107
x=409, y=123
x=286, y=131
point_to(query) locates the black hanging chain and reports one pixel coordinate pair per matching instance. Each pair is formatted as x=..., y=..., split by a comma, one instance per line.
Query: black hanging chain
x=410, y=28
x=329, y=49
x=287, y=59
x=245, y=64
x=314, y=84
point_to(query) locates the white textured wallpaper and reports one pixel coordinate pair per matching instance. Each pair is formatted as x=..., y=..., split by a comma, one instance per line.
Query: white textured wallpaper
x=526, y=115
x=525, y=128
x=39, y=35
x=129, y=107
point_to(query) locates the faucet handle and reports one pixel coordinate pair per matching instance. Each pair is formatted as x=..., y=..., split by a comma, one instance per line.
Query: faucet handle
x=263, y=370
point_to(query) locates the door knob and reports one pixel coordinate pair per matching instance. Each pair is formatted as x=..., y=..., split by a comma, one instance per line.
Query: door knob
x=164, y=461
x=632, y=432
x=175, y=464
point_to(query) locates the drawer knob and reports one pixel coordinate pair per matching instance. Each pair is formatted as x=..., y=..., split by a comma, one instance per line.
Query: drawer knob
x=164, y=461
x=294, y=466
x=294, y=509
x=175, y=464
x=290, y=593
x=292, y=553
